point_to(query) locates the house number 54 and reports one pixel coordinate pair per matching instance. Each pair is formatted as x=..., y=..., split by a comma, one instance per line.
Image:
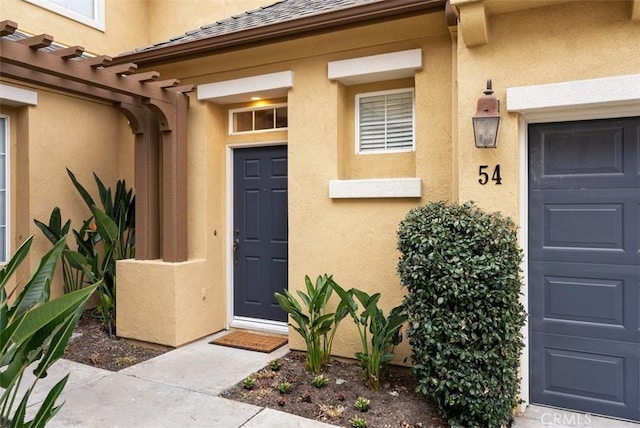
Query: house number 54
x=483, y=172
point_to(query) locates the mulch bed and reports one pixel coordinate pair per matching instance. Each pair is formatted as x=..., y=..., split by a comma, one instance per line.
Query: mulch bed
x=395, y=405
x=94, y=347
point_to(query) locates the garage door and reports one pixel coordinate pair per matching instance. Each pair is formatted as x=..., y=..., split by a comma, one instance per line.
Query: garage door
x=584, y=265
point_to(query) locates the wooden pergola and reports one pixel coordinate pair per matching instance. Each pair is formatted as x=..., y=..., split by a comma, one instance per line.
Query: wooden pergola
x=156, y=110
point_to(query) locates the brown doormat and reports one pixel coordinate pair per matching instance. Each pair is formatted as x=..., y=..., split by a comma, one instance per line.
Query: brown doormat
x=251, y=341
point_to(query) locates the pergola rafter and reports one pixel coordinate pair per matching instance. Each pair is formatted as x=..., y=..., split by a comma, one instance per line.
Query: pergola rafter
x=157, y=113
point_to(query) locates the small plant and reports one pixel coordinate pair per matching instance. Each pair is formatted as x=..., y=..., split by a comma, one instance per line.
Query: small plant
x=126, y=361
x=332, y=412
x=319, y=381
x=306, y=396
x=314, y=324
x=362, y=404
x=274, y=365
x=377, y=351
x=284, y=387
x=358, y=422
x=249, y=382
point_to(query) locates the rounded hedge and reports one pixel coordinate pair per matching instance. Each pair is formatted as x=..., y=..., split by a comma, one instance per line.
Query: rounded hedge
x=461, y=267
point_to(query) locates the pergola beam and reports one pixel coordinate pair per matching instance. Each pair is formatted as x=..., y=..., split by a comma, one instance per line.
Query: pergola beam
x=59, y=83
x=157, y=112
x=30, y=58
x=70, y=52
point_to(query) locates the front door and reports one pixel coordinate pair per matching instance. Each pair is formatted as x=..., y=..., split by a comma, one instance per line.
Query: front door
x=260, y=231
x=584, y=265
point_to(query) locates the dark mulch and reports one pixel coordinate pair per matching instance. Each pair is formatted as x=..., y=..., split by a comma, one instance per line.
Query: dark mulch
x=94, y=347
x=395, y=405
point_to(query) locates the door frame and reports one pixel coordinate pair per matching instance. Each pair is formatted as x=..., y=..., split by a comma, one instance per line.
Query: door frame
x=602, y=98
x=232, y=320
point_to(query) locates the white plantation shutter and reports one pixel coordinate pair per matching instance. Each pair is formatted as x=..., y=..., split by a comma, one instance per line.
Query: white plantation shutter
x=385, y=121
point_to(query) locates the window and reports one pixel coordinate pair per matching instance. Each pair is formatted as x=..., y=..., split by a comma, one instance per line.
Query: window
x=4, y=181
x=88, y=12
x=385, y=121
x=267, y=118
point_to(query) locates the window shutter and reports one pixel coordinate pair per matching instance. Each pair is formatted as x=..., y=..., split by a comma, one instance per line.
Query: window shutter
x=386, y=122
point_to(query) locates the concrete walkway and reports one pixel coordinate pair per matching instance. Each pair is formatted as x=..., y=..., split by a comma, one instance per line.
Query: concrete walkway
x=181, y=389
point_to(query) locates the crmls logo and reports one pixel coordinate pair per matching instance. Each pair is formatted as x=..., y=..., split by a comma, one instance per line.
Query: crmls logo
x=571, y=419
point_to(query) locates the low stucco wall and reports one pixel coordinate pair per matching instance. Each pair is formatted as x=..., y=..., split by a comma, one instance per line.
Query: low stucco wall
x=167, y=303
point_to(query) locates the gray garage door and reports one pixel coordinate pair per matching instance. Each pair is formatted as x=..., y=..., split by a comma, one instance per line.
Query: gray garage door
x=584, y=265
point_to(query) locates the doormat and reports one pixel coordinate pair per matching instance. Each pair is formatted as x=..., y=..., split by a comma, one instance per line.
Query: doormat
x=251, y=341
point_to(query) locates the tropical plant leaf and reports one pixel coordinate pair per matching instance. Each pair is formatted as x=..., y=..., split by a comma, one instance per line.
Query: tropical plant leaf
x=106, y=226
x=17, y=258
x=47, y=409
x=61, y=337
x=36, y=290
x=40, y=316
x=86, y=197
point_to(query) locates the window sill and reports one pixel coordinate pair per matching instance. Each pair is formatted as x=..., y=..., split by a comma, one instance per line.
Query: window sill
x=375, y=188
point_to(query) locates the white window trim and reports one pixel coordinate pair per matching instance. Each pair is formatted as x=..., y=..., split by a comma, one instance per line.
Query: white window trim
x=257, y=108
x=409, y=187
x=376, y=68
x=357, y=125
x=97, y=22
x=7, y=193
x=265, y=86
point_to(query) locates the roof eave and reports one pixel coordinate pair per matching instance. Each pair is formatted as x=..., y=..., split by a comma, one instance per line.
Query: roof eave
x=320, y=22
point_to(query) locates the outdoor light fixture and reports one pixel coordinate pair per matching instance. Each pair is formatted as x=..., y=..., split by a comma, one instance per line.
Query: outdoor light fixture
x=486, y=121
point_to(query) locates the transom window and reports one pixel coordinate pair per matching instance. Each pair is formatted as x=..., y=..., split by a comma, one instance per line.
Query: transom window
x=88, y=12
x=257, y=119
x=385, y=121
x=4, y=184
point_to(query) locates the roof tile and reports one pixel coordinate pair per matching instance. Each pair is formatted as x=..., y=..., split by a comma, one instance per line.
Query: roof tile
x=280, y=11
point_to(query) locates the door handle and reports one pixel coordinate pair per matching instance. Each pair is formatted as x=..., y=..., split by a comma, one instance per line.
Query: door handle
x=236, y=244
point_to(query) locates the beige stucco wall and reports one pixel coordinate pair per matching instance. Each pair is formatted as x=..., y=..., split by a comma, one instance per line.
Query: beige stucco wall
x=569, y=41
x=125, y=25
x=352, y=239
x=57, y=133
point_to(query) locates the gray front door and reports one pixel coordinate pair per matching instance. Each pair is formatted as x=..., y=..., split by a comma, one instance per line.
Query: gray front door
x=584, y=265
x=260, y=224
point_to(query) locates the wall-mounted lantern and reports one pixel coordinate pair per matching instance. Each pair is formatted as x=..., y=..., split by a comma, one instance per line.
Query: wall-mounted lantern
x=486, y=121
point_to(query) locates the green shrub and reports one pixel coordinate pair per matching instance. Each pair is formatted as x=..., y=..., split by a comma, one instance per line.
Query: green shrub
x=461, y=267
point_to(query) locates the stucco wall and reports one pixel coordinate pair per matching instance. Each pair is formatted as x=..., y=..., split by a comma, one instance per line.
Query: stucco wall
x=569, y=41
x=125, y=25
x=57, y=133
x=352, y=239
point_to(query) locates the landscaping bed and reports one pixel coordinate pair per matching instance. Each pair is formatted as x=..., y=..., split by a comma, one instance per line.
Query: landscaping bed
x=395, y=405
x=93, y=346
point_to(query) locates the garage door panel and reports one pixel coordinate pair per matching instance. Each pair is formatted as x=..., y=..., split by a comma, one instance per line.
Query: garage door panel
x=570, y=151
x=584, y=265
x=593, y=376
x=583, y=225
x=579, y=154
x=593, y=226
x=597, y=301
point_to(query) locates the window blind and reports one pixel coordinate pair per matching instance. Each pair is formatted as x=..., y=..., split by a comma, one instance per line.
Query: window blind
x=386, y=122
